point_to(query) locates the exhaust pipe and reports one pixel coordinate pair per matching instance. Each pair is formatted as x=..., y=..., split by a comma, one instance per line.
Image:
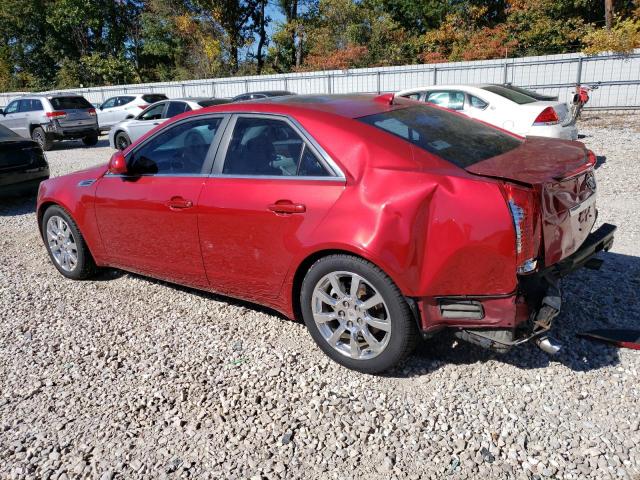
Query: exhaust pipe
x=548, y=345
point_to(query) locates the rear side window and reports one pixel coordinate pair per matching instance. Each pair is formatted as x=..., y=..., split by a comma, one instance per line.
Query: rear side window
x=452, y=100
x=176, y=108
x=268, y=147
x=452, y=137
x=70, y=103
x=31, y=105
x=154, y=97
x=124, y=100
x=517, y=97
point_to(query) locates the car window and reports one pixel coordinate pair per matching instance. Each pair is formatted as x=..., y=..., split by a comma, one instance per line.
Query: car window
x=70, y=103
x=153, y=113
x=517, y=97
x=450, y=136
x=36, y=105
x=476, y=102
x=176, y=108
x=25, y=106
x=268, y=147
x=413, y=96
x=111, y=102
x=179, y=150
x=452, y=100
x=124, y=100
x=12, y=107
x=154, y=97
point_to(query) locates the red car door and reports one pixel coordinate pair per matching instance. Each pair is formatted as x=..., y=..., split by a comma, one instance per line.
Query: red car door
x=271, y=190
x=148, y=217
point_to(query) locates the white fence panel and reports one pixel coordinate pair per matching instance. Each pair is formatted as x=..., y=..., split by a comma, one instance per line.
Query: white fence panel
x=618, y=78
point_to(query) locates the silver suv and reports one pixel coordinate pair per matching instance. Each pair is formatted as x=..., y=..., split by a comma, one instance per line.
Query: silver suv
x=45, y=118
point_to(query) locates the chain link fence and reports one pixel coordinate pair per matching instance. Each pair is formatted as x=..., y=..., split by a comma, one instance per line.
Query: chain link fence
x=617, y=78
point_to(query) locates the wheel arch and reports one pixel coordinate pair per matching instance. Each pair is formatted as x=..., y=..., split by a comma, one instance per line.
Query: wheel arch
x=42, y=208
x=310, y=259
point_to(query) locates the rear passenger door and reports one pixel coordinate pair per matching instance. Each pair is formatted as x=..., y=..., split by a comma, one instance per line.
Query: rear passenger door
x=271, y=186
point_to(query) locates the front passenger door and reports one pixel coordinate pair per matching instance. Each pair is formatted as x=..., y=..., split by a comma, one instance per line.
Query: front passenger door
x=148, y=217
x=10, y=118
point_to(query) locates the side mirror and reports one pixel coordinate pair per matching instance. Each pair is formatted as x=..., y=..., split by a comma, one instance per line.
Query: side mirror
x=1, y=112
x=101, y=107
x=118, y=164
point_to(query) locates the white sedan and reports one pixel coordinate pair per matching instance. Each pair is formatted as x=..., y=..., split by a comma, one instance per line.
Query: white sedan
x=514, y=109
x=122, y=134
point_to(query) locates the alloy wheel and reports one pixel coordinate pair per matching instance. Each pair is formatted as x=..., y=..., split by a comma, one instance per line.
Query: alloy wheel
x=62, y=243
x=351, y=315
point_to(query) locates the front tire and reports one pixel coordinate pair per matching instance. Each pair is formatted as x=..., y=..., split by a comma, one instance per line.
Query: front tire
x=356, y=314
x=122, y=140
x=66, y=246
x=39, y=136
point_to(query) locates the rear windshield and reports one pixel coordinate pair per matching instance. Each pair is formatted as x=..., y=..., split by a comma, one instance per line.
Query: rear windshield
x=514, y=96
x=69, y=103
x=212, y=101
x=153, y=98
x=452, y=137
x=5, y=133
x=531, y=93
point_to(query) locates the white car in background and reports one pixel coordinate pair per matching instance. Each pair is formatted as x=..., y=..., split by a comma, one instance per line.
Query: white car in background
x=128, y=131
x=511, y=108
x=116, y=109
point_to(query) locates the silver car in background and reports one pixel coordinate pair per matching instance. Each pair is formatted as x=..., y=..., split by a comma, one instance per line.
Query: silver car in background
x=116, y=109
x=128, y=131
x=45, y=118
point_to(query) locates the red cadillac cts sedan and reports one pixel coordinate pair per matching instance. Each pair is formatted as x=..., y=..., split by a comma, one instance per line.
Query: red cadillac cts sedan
x=374, y=219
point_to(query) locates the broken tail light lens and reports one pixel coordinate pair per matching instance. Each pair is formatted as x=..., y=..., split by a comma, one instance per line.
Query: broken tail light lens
x=92, y=112
x=548, y=116
x=525, y=213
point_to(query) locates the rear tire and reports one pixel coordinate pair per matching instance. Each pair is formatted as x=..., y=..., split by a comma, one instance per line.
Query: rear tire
x=368, y=327
x=90, y=140
x=122, y=141
x=65, y=244
x=39, y=136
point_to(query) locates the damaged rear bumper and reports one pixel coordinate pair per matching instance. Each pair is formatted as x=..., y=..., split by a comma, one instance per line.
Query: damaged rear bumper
x=540, y=292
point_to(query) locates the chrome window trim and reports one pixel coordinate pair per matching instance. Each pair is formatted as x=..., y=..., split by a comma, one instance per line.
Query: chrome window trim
x=336, y=174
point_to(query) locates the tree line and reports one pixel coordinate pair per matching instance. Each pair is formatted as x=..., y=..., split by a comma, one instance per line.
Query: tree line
x=49, y=44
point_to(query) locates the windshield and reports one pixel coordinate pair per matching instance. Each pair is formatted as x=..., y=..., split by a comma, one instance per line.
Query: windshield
x=69, y=103
x=154, y=97
x=517, y=97
x=457, y=139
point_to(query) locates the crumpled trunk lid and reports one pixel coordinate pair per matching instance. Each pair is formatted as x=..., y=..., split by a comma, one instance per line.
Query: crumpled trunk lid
x=561, y=176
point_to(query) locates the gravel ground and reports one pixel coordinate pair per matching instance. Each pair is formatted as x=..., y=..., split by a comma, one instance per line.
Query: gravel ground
x=127, y=377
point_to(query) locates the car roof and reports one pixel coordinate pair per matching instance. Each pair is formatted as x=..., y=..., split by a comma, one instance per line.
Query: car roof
x=348, y=106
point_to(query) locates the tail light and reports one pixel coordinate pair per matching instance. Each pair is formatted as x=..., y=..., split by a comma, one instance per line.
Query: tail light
x=591, y=158
x=548, y=116
x=525, y=214
x=59, y=115
x=92, y=112
x=142, y=107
